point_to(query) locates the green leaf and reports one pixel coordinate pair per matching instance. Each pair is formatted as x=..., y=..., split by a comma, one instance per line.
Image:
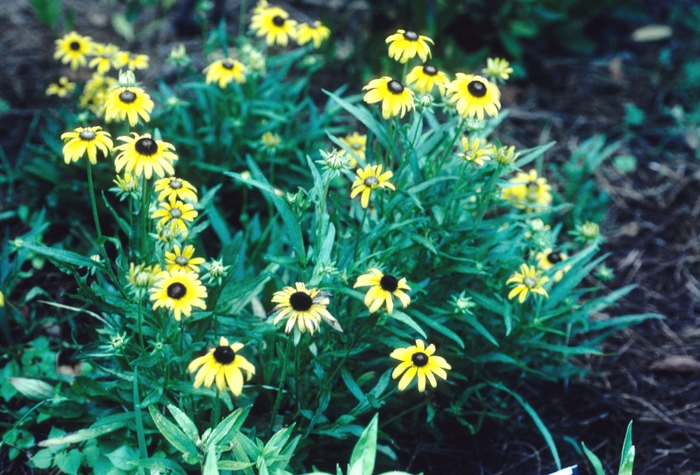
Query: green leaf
x=402, y=317
x=69, y=462
x=174, y=435
x=32, y=388
x=476, y=324
x=124, y=457
x=42, y=459
x=576, y=274
x=185, y=423
x=595, y=461
x=627, y=456
x=48, y=11
x=210, y=466
x=161, y=465
x=439, y=327
x=59, y=255
x=233, y=465
x=365, y=451
x=105, y=426
x=364, y=116
x=228, y=428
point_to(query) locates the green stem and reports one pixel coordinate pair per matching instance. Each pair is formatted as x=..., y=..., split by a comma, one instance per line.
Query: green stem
x=405, y=72
x=487, y=198
x=216, y=413
x=321, y=208
x=280, y=388
x=140, y=325
x=144, y=216
x=389, y=164
x=357, y=240
x=140, y=434
x=446, y=153
x=241, y=23
x=401, y=414
x=457, y=186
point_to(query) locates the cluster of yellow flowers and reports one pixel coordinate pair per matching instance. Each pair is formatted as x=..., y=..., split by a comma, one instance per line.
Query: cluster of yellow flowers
x=274, y=24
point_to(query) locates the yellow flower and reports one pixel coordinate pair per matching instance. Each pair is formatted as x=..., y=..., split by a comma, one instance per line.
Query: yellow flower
x=417, y=360
x=130, y=60
x=547, y=259
x=73, y=48
x=141, y=155
x=126, y=186
x=2, y=299
x=176, y=187
x=303, y=307
x=425, y=78
x=316, y=32
x=395, y=98
x=95, y=93
x=224, y=365
x=497, y=69
x=270, y=140
x=382, y=288
x=476, y=151
x=357, y=143
x=474, y=95
x=178, y=291
x=529, y=279
x=224, y=71
x=182, y=260
x=142, y=276
x=274, y=24
x=404, y=45
x=175, y=214
x=528, y=191
x=62, y=89
x=130, y=102
x=370, y=179
x=86, y=139
x=105, y=57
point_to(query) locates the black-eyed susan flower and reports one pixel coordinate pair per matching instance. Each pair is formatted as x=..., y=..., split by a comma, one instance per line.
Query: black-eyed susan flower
x=179, y=291
x=368, y=180
x=270, y=141
x=548, y=258
x=357, y=143
x=141, y=276
x=383, y=288
x=127, y=186
x=529, y=279
x=95, y=93
x=142, y=155
x=223, y=365
x=497, y=69
x=105, y=57
x=86, y=140
x=177, y=187
x=476, y=151
x=315, y=32
x=128, y=102
x=528, y=191
x=417, y=360
x=224, y=71
x=395, y=98
x=424, y=78
x=404, y=45
x=182, y=259
x=506, y=155
x=474, y=95
x=274, y=24
x=132, y=61
x=176, y=214
x=304, y=307
x=73, y=48
x=61, y=89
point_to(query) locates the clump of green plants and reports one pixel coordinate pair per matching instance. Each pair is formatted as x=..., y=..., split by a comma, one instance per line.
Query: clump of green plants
x=266, y=275
x=626, y=458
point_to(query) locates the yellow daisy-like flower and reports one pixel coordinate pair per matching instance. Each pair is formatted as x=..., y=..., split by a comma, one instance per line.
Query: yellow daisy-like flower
x=368, y=180
x=315, y=32
x=417, y=360
x=130, y=60
x=303, y=307
x=60, y=89
x=529, y=279
x=425, y=78
x=95, y=93
x=141, y=155
x=73, y=48
x=357, y=143
x=178, y=291
x=529, y=191
x=547, y=259
x=395, y=98
x=182, y=260
x=224, y=71
x=474, y=95
x=274, y=24
x=177, y=187
x=175, y=214
x=126, y=186
x=86, y=140
x=105, y=57
x=224, y=365
x=476, y=151
x=383, y=287
x=142, y=276
x=270, y=141
x=497, y=69
x=404, y=45
x=128, y=102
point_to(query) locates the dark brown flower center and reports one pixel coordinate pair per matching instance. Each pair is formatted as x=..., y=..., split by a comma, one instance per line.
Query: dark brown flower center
x=301, y=301
x=74, y=45
x=87, y=134
x=389, y=283
x=411, y=35
x=395, y=87
x=430, y=70
x=419, y=359
x=181, y=260
x=554, y=257
x=146, y=146
x=224, y=355
x=278, y=21
x=175, y=213
x=371, y=181
x=176, y=290
x=477, y=88
x=227, y=65
x=175, y=184
x=127, y=97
